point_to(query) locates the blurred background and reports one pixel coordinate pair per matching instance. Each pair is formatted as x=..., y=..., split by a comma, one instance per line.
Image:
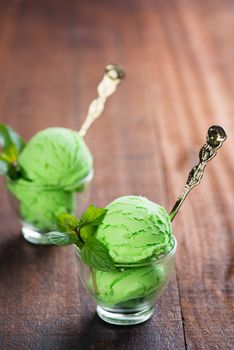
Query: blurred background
x=178, y=56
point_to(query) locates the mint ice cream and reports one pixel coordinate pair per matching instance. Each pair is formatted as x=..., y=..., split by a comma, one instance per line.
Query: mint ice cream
x=135, y=231
x=40, y=207
x=56, y=157
x=54, y=164
x=119, y=287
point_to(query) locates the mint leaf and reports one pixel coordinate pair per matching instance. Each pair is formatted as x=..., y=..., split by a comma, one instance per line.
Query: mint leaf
x=3, y=167
x=16, y=139
x=13, y=172
x=92, y=216
x=79, y=232
x=96, y=255
x=87, y=232
x=8, y=169
x=60, y=238
x=5, y=138
x=67, y=222
x=11, y=142
x=89, y=221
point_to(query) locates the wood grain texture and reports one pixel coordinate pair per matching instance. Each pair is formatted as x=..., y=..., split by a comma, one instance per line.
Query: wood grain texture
x=179, y=57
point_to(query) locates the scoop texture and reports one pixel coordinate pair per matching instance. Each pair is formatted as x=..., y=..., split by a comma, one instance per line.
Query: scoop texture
x=119, y=287
x=56, y=157
x=135, y=229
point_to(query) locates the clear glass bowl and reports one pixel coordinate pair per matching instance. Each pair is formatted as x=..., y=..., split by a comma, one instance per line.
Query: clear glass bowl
x=37, y=208
x=127, y=296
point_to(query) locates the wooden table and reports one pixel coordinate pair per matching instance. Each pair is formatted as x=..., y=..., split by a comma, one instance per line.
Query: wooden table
x=179, y=59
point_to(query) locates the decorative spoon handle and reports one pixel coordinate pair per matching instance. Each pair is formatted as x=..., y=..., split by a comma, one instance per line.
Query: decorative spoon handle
x=215, y=137
x=114, y=74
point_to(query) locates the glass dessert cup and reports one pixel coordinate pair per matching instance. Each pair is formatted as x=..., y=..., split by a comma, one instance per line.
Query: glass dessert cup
x=38, y=217
x=127, y=296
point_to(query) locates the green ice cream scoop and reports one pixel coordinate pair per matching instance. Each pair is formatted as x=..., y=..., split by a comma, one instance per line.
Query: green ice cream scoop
x=118, y=287
x=54, y=164
x=56, y=157
x=135, y=229
x=39, y=206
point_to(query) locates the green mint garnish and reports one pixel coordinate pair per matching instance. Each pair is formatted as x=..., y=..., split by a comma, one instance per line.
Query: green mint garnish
x=90, y=220
x=67, y=222
x=93, y=216
x=95, y=255
x=12, y=145
x=3, y=167
x=68, y=225
x=61, y=238
x=81, y=232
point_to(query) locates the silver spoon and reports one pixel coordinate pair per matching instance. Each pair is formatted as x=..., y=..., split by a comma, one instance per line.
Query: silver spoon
x=114, y=74
x=216, y=135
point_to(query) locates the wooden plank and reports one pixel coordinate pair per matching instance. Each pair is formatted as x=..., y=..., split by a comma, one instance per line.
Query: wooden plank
x=191, y=95
x=8, y=27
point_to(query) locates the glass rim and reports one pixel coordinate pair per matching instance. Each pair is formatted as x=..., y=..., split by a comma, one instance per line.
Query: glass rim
x=155, y=260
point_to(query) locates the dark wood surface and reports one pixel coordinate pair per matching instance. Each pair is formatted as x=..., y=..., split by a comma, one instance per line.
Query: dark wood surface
x=179, y=59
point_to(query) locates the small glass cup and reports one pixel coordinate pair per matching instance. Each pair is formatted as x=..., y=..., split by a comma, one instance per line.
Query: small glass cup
x=127, y=296
x=36, y=219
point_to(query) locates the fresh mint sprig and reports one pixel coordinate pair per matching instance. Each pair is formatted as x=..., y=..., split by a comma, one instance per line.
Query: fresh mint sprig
x=96, y=255
x=67, y=222
x=81, y=232
x=12, y=145
x=61, y=238
x=89, y=221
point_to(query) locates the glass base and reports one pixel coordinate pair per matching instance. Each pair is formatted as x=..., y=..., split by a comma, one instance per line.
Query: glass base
x=124, y=319
x=34, y=237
